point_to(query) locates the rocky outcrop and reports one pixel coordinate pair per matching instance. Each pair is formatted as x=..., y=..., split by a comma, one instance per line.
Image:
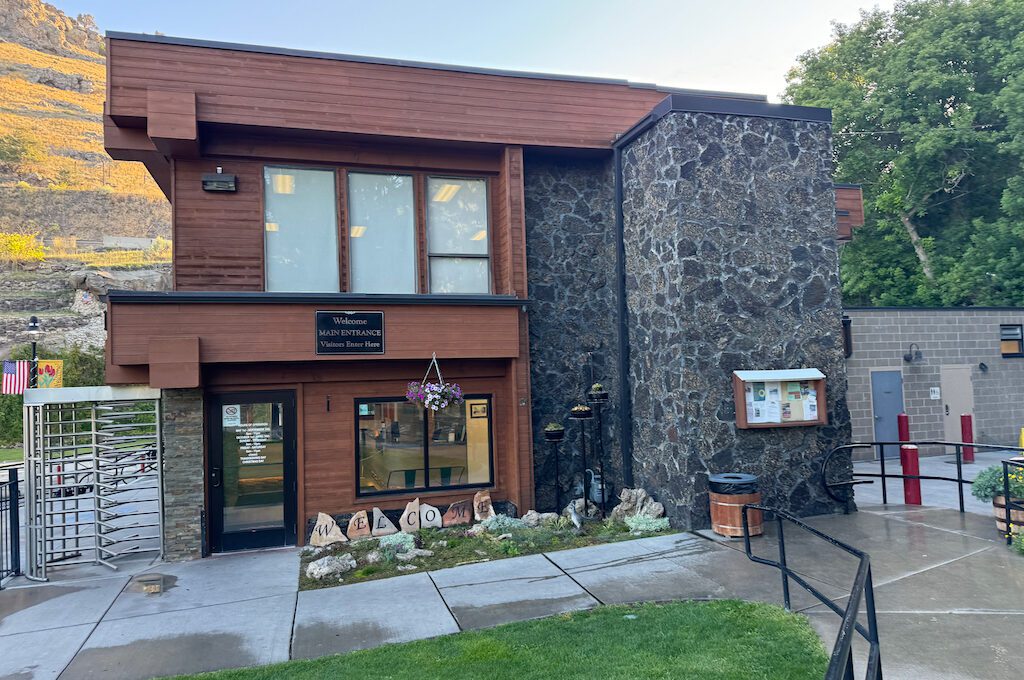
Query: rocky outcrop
x=43, y=27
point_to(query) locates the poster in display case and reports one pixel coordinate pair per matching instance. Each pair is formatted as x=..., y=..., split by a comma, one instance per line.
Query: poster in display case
x=779, y=398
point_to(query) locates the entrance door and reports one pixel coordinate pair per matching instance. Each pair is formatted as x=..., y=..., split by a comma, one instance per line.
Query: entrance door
x=886, y=404
x=957, y=398
x=252, y=470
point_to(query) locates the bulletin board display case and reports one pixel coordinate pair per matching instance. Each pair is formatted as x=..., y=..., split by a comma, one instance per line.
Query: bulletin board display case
x=785, y=398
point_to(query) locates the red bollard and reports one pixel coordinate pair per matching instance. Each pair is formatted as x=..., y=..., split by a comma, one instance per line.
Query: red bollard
x=903, y=425
x=911, y=466
x=967, y=436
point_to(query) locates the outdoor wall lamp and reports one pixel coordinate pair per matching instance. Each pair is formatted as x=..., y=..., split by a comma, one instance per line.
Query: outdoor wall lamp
x=33, y=330
x=983, y=367
x=912, y=354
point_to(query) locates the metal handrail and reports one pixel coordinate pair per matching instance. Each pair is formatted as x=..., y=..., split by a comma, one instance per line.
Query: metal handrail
x=840, y=666
x=1009, y=505
x=883, y=475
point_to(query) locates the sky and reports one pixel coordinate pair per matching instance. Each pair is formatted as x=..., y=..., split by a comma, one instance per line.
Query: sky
x=731, y=45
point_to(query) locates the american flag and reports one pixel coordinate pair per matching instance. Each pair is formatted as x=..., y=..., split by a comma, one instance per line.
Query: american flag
x=15, y=376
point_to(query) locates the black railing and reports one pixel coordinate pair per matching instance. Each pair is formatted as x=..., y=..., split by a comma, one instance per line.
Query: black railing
x=10, y=540
x=831, y=487
x=1009, y=504
x=840, y=666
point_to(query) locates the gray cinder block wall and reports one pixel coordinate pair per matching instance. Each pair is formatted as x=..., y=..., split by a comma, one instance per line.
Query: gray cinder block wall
x=183, y=477
x=570, y=264
x=731, y=263
x=946, y=337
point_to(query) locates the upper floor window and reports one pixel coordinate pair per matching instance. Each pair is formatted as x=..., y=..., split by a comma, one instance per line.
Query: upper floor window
x=301, y=232
x=382, y=233
x=457, y=235
x=1011, y=340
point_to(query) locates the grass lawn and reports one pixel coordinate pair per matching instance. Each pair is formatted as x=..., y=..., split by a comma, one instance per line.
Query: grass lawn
x=454, y=547
x=10, y=455
x=724, y=640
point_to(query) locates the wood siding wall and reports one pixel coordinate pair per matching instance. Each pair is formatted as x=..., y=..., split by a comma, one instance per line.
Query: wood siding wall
x=304, y=93
x=849, y=211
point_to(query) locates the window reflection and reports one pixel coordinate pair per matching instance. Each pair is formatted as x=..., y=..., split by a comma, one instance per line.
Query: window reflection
x=457, y=235
x=382, y=233
x=300, y=230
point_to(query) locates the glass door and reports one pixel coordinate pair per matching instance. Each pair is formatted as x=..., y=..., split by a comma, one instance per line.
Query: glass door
x=252, y=470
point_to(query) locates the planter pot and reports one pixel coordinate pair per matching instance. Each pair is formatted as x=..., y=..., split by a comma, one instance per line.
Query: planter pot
x=554, y=435
x=1016, y=516
x=581, y=415
x=597, y=397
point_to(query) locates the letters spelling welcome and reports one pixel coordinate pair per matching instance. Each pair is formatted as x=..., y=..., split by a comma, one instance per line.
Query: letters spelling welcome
x=370, y=334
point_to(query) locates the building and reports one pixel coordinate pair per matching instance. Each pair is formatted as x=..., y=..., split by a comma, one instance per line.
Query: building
x=340, y=220
x=934, y=365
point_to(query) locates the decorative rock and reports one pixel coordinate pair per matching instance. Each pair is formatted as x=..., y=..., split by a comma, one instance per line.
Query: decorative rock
x=439, y=544
x=406, y=567
x=413, y=554
x=591, y=512
x=358, y=526
x=636, y=502
x=382, y=526
x=373, y=557
x=482, y=508
x=332, y=565
x=535, y=519
x=410, y=519
x=326, y=532
x=458, y=514
x=430, y=517
x=503, y=537
x=476, y=530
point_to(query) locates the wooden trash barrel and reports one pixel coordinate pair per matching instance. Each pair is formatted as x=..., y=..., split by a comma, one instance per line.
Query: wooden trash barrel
x=728, y=493
x=999, y=510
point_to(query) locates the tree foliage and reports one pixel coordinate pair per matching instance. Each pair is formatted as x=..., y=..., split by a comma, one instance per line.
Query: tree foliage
x=928, y=107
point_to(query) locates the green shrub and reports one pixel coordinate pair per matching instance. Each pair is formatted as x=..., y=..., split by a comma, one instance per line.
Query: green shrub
x=645, y=524
x=989, y=483
x=1018, y=542
x=500, y=524
x=393, y=544
x=21, y=147
x=15, y=248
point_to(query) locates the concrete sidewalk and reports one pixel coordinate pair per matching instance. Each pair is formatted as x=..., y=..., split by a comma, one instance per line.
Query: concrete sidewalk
x=936, y=572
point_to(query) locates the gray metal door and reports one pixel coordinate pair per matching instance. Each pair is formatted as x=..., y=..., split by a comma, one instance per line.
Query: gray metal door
x=886, y=404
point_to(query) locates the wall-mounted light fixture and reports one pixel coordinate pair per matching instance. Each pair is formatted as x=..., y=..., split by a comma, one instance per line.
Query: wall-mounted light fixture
x=912, y=354
x=220, y=182
x=983, y=367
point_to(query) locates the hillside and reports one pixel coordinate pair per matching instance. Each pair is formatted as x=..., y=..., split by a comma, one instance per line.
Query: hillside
x=54, y=174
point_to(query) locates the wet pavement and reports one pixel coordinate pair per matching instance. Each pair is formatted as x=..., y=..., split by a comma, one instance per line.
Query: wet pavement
x=939, y=577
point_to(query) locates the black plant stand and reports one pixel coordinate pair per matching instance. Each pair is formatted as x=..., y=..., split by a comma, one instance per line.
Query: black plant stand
x=597, y=400
x=583, y=417
x=553, y=437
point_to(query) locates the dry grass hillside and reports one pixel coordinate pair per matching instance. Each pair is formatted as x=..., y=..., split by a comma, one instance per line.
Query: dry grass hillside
x=54, y=174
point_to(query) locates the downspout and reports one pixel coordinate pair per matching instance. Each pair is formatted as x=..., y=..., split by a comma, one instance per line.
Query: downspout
x=625, y=393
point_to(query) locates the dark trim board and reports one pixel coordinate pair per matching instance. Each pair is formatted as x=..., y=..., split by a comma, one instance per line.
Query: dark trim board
x=1019, y=310
x=263, y=298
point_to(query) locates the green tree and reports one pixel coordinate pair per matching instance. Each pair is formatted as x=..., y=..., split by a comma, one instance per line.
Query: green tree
x=928, y=107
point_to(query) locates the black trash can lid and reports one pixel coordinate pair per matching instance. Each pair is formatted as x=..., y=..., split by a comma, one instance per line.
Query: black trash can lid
x=732, y=483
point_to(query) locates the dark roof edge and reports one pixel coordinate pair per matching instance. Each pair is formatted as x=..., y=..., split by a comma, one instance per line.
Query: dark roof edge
x=325, y=299
x=934, y=309
x=691, y=103
x=845, y=185
x=312, y=54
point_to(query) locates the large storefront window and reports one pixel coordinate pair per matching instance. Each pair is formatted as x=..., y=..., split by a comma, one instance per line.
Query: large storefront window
x=301, y=230
x=403, y=447
x=382, y=233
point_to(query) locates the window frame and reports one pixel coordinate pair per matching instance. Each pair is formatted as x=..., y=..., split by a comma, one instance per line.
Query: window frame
x=1020, y=340
x=488, y=256
x=343, y=215
x=426, y=488
x=339, y=217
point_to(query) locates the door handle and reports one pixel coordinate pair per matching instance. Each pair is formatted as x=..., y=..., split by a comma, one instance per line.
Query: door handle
x=947, y=409
x=215, y=479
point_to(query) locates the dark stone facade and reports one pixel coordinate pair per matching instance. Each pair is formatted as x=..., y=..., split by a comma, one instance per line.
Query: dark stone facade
x=183, y=477
x=570, y=264
x=731, y=263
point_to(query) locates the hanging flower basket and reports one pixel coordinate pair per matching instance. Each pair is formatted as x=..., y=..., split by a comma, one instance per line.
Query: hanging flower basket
x=434, y=395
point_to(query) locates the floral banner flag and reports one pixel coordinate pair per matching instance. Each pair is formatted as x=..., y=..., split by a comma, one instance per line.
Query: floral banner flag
x=51, y=373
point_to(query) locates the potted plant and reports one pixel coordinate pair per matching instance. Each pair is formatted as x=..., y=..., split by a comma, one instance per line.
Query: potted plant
x=597, y=394
x=988, y=486
x=553, y=432
x=581, y=412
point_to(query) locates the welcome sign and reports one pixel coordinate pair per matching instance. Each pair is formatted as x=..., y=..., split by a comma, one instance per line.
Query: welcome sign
x=350, y=332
